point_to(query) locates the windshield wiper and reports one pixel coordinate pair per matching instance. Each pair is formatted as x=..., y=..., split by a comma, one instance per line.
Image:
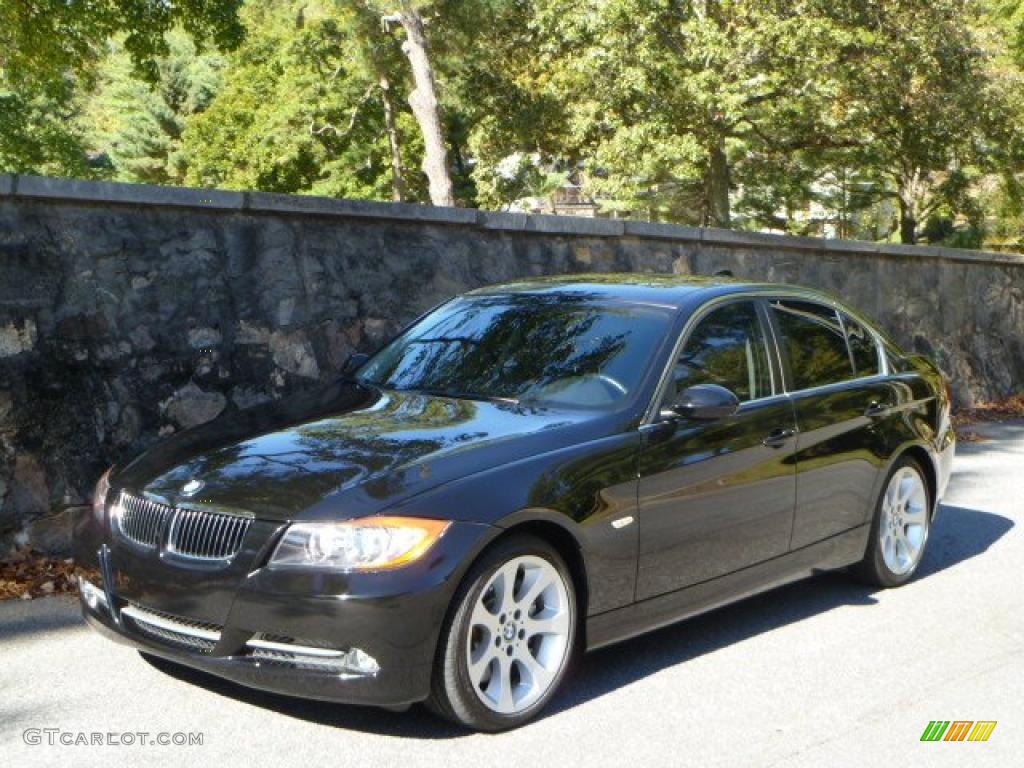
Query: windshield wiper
x=464, y=395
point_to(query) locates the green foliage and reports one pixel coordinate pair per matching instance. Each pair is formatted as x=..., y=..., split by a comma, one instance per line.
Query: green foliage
x=1008, y=16
x=879, y=120
x=49, y=49
x=494, y=100
x=136, y=127
x=43, y=40
x=37, y=134
x=301, y=107
x=669, y=101
x=518, y=177
x=917, y=101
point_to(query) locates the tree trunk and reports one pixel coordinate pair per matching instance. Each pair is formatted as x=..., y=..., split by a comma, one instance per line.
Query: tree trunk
x=914, y=190
x=394, y=141
x=716, y=187
x=908, y=223
x=425, y=106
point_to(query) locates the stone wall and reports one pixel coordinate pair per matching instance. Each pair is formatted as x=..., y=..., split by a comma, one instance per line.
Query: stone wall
x=128, y=312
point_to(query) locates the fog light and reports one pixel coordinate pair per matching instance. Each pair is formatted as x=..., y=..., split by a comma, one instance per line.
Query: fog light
x=278, y=649
x=94, y=596
x=360, y=662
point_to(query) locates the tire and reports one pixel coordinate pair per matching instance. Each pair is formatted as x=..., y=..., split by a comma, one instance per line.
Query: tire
x=497, y=629
x=899, y=534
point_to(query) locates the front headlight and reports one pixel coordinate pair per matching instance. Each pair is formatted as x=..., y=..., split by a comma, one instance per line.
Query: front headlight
x=366, y=544
x=99, y=495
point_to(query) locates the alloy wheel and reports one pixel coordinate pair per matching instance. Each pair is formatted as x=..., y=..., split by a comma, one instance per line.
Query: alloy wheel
x=903, y=527
x=519, y=634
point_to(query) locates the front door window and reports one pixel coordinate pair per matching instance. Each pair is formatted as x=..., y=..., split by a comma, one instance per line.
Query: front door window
x=726, y=348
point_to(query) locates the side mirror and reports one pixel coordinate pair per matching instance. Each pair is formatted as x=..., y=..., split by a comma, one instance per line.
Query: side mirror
x=703, y=401
x=354, y=363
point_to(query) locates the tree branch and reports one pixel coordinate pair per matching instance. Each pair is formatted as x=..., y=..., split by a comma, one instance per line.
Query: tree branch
x=817, y=141
x=314, y=131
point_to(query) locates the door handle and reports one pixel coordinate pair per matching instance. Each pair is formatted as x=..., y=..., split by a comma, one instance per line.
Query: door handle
x=778, y=437
x=876, y=409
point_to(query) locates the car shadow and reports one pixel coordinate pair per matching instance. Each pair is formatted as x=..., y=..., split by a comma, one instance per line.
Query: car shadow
x=37, y=617
x=960, y=534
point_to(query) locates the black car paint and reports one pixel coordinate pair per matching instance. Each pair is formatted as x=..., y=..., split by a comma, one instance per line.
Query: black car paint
x=358, y=461
x=713, y=498
x=718, y=514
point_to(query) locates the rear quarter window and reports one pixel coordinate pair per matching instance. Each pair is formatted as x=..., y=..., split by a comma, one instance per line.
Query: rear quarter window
x=897, y=361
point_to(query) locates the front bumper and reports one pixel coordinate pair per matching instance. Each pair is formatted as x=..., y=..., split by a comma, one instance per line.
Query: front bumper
x=393, y=617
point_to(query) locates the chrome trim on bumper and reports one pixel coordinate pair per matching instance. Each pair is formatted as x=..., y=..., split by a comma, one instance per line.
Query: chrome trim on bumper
x=258, y=643
x=183, y=633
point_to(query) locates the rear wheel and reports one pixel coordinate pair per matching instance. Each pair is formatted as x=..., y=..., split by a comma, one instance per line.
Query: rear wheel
x=899, y=532
x=507, y=644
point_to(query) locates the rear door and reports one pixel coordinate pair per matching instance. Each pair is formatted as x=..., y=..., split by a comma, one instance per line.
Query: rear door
x=832, y=369
x=716, y=496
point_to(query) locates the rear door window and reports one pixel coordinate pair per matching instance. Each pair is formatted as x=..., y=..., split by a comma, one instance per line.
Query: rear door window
x=863, y=349
x=814, y=340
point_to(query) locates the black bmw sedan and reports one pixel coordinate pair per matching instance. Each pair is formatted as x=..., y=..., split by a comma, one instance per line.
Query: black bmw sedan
x=527, y=471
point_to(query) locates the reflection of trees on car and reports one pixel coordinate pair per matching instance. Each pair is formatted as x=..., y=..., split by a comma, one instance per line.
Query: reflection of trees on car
x=507, y=346
x=817, y=347
x=727, y=348
x=362, y=439
x=322, y=456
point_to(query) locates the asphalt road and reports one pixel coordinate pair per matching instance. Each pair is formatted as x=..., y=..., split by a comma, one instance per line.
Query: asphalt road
x=821, y=673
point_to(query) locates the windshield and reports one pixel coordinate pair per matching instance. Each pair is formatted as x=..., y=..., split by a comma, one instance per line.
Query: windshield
x=557, y=349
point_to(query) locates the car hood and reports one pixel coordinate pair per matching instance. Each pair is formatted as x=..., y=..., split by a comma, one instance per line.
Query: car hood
x=345, y=451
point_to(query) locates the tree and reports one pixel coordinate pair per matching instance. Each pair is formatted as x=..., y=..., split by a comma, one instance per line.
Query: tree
x=39, y=133
x=503, y=129
x=136, y=126
x=666, y=99
x=423, y=99
x=308, y=105
x=379, y=61
x=1000, y=196
x=1008, y=16
x=842, y=117
x=50, y=48
x=918, y=98
x=43, y=41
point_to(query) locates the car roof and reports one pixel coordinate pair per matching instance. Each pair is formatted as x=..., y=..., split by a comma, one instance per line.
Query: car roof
x=665, y=289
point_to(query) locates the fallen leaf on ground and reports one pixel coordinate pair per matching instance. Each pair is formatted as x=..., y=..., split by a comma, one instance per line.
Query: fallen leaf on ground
x=1000, y=410
x=26, y=574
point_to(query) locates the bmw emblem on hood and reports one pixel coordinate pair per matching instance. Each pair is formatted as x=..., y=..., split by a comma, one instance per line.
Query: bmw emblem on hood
x=191, y=488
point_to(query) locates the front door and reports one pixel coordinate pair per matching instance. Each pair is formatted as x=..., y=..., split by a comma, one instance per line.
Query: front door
x=717, y=496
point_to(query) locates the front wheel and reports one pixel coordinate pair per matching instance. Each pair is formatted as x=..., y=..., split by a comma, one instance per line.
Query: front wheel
x=509, y=638
x=900, y=528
